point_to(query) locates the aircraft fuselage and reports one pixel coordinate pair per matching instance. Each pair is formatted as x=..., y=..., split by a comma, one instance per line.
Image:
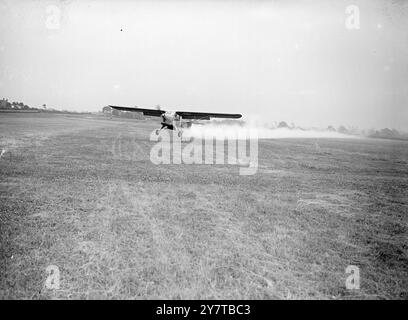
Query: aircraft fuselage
x=172, y=121
x=168, y=119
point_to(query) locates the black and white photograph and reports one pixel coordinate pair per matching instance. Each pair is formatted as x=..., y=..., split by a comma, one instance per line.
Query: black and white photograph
x=203, y=150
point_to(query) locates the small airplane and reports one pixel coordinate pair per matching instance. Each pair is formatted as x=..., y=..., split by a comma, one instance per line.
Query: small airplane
x=172, y=120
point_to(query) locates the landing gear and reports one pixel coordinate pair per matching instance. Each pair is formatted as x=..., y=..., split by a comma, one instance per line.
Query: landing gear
x=173, y=126
x=179, y=132
x=158, y=130
x=180, y=128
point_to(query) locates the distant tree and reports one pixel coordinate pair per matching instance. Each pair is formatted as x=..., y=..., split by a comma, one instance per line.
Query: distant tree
x=330, y=128
x=44, y=106
x=4, y=104
x=158, y=107
x=386, y=133
x=396, y=133
x=342, y=129
x=283, y=124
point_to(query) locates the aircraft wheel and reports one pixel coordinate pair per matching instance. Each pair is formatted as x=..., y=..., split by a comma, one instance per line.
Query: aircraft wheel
x=157, y=132
x=179, y=134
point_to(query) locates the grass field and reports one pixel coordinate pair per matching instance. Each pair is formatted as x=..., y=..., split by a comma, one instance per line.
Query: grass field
x=119, y=227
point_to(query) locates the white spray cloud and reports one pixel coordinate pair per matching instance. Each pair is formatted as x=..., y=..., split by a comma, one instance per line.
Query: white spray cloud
x=235, y=131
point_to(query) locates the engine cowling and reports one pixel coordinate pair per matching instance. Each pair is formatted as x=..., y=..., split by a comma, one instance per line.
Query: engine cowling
x=169, y=116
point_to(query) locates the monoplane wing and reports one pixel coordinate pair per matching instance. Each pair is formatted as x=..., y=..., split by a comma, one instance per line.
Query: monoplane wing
x=183, y=114
x=207, y=115
x=146, y=112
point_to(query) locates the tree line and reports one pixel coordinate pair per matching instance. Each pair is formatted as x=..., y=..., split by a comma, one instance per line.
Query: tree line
x=20, y=106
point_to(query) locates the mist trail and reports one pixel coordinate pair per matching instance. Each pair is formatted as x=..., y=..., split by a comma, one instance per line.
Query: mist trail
x=233, y=131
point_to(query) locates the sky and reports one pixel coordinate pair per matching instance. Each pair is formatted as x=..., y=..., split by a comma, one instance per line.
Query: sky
x=313, y=63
